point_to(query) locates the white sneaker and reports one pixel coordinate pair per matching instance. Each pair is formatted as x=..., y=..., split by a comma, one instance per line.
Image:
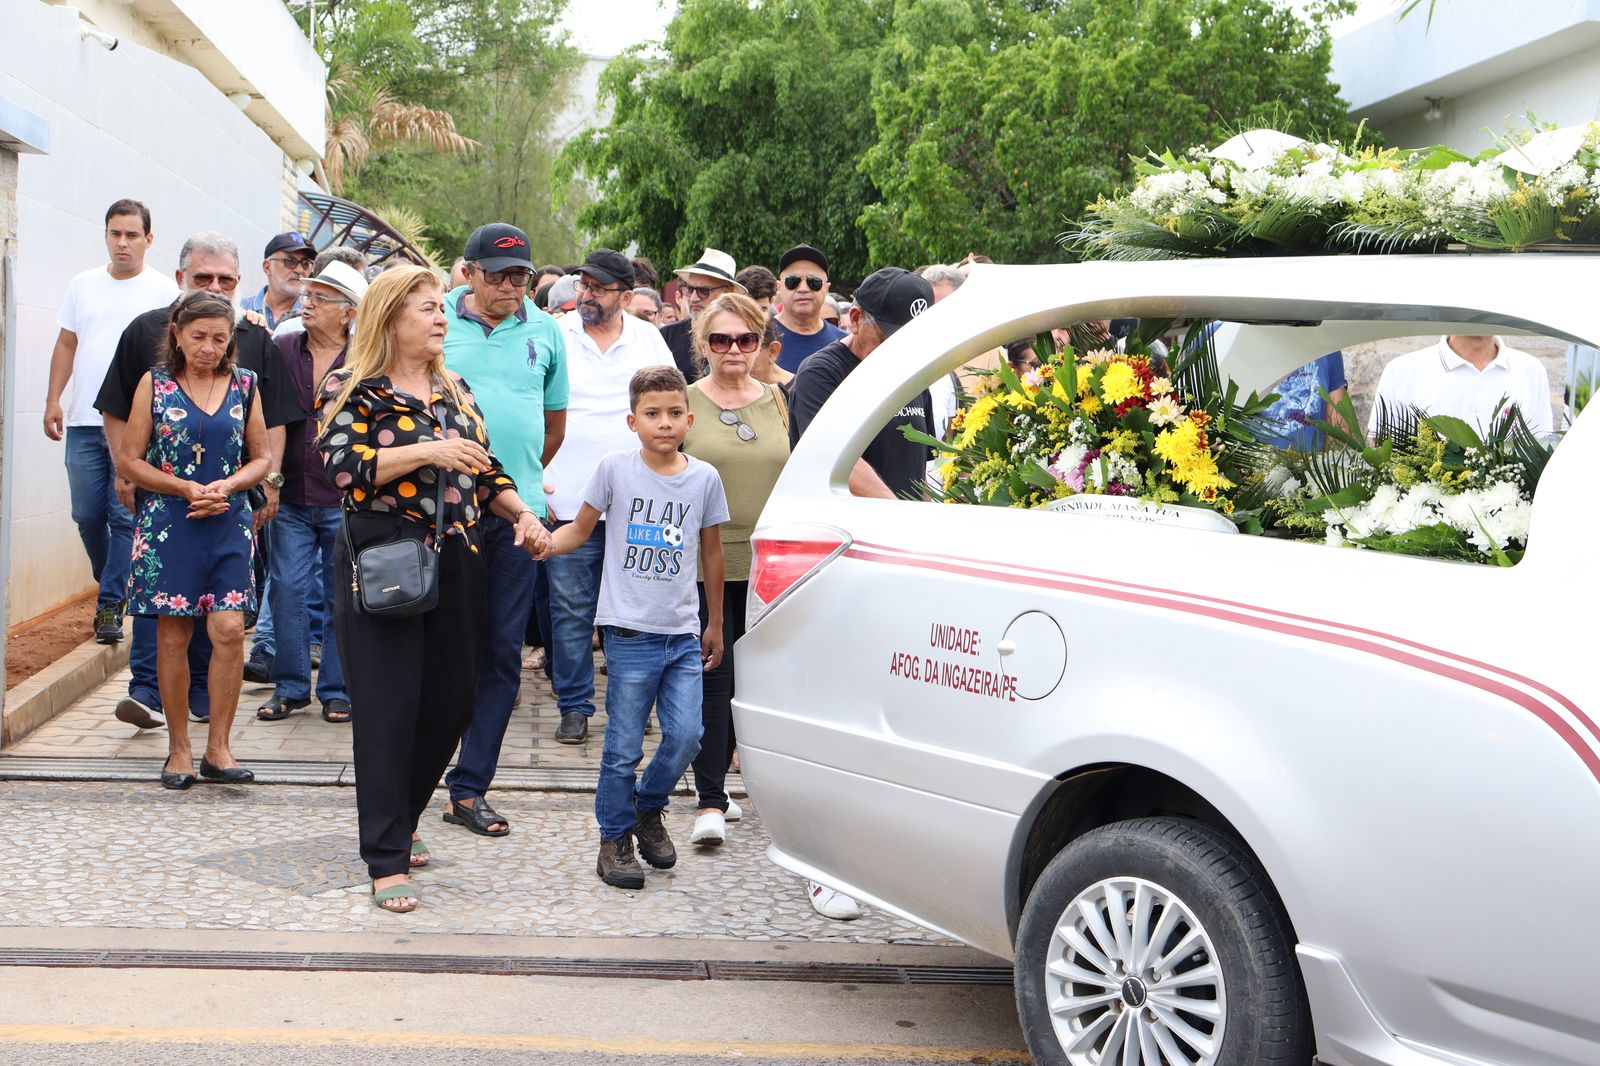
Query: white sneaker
x=830, y=904
x=709, y=828
x=139, y=714
x=735, y=812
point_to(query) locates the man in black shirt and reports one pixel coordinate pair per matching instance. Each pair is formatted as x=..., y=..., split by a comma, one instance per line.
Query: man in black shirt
x=207, y=261
x=891, y=466
x=703, y=281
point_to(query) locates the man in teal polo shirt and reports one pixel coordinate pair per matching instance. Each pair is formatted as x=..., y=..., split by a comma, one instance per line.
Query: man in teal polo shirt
x=514, y=357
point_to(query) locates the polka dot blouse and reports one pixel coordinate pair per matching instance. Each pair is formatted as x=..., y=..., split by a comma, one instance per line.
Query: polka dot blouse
x=377, y=415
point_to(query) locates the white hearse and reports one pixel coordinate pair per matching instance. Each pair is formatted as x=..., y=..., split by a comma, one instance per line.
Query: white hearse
x=1224, y=799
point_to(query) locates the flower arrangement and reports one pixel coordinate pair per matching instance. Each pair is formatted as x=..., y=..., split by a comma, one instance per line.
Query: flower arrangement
x=1434, y=486
x=1099, y=421
x=1265, y=191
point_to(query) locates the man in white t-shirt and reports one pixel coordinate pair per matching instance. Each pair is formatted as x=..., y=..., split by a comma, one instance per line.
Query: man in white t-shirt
x=98, y=306
x=604, y=348
x=1473, y=378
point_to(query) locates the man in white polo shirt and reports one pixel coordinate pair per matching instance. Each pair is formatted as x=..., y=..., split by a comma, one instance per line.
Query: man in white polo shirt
x=98, y=306
x=604, y=349
x=1473, y=378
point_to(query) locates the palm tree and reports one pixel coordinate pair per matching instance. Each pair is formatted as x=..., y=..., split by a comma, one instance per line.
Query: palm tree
x=363, y=117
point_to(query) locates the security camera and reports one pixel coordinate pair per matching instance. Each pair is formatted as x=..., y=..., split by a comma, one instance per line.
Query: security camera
x=105, y=40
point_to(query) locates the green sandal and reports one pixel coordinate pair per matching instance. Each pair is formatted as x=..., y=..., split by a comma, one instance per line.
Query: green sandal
x=401, y=891
x=419, y=854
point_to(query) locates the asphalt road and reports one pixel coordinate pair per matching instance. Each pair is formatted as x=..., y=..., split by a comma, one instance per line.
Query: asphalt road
x=137, y=1017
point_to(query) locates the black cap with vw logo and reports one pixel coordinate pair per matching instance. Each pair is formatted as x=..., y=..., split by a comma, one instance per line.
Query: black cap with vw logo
x=498, y=246
x=893, y=297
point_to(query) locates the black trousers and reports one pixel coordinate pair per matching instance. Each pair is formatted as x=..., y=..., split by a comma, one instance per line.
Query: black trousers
x=716, y=705
x=413, y=682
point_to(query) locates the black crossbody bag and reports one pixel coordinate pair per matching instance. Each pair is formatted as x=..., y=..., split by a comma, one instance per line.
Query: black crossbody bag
x=400, y=577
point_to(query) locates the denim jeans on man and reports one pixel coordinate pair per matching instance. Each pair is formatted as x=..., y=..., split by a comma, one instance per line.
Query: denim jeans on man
x=303, y=540
x=510, y=572
x=574, y=593
x=265, y=638
x=142, y=684
x=104, y=525
x=644, y=670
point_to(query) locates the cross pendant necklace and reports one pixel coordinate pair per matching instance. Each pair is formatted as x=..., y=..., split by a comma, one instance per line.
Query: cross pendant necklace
x=199, y=452
x=200, y=449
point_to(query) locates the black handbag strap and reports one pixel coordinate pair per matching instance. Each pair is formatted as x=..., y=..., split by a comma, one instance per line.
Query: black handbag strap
x=439, y=474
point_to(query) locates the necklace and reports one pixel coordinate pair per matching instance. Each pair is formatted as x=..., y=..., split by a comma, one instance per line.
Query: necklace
x=198, y=448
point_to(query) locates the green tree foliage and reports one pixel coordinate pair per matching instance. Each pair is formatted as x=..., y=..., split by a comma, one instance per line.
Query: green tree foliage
x=993, y=132
x=745, y=136
x=914, y=131
x=492, y=74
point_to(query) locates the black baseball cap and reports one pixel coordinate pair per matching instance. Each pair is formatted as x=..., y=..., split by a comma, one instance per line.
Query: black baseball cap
x=893, y=297
x=613, y=268
x=287, y=242
x=802, y=253
x=498, y=246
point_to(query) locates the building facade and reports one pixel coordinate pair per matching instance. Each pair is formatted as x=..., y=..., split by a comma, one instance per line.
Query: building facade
x=212, y=114
x=1478, y=70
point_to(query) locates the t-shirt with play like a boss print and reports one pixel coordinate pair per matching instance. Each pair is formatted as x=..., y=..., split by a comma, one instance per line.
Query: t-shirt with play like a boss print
x=653, y=525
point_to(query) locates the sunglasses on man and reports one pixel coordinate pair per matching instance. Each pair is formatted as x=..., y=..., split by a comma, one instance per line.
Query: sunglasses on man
x=723, y=343
x=702, y=291
x=293, y=262
x=225, y=282
x=812, y=282
x=495, y=278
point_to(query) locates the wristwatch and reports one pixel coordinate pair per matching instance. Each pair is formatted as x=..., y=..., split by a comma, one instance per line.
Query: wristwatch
x=274, y=479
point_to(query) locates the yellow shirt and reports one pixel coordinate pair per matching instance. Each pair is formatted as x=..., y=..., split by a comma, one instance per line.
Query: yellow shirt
x=749, y=468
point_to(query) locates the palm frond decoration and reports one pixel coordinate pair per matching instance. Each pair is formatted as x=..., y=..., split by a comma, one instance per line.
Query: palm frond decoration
x=1406, y=235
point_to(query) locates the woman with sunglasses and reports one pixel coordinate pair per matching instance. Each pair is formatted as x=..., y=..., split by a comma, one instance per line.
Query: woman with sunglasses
x=741, y=427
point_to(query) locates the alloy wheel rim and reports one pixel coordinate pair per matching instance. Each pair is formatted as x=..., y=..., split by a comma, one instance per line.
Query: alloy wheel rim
x=1132, y=979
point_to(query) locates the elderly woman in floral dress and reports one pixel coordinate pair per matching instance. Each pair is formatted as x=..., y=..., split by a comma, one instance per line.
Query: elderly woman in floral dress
x=196, y=442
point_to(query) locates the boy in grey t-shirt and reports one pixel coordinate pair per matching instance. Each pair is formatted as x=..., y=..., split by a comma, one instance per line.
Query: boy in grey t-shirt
x=662, y=510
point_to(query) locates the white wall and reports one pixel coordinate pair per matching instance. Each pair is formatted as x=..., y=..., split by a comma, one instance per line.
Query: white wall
x=125, y=123
x=1566, y=93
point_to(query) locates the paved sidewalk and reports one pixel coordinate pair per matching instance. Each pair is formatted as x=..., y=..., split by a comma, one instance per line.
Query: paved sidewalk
x=88, y=729
x=283, y=859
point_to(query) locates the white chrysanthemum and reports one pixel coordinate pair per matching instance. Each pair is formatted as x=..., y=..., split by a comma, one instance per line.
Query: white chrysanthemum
x=1164, y=411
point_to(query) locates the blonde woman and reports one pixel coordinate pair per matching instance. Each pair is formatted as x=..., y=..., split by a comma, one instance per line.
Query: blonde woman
x=393, y=421
x=740, y=428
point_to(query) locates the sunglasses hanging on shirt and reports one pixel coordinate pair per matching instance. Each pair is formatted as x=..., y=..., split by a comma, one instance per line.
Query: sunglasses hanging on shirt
x=740, y=426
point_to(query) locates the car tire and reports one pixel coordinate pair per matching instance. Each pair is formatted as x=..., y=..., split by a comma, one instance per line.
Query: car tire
x=1186, y=886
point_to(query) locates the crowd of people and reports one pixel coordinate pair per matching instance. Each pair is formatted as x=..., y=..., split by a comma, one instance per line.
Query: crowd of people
x=563, y=457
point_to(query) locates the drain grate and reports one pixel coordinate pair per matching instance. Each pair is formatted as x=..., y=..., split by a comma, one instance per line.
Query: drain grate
x=512, y=966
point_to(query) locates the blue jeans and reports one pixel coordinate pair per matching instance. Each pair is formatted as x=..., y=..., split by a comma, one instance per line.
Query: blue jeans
x=645, y=670
x=302, y=561
x=104, y=525
x=510, y=572
x=574, y=593
x=266, y=638
x=142, y=662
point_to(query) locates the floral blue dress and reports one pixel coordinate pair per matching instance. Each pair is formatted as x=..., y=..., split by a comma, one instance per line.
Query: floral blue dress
x=184, y=566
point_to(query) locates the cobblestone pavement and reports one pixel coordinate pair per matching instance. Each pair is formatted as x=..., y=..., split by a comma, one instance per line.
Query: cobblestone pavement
x=88, y=729
x=283, y=859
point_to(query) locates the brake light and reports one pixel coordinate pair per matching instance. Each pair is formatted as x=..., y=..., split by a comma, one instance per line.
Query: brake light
x=783, y=558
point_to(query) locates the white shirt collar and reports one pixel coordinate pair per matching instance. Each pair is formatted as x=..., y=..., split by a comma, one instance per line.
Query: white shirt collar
x=1449, y=360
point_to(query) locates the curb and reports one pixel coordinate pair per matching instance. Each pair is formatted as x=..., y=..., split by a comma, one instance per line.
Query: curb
x=58, y=686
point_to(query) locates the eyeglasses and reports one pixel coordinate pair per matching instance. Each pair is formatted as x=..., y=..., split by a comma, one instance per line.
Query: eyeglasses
x=225, y=282
x=326, y=301
x=587, y=286
x=519, y=279
x=293, y=262
x=740, y=426
x=723, y=343
x=702, y=291
x=813, y=282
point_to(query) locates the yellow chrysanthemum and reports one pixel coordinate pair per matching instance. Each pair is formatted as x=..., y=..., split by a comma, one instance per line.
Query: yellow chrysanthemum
x=1120, y=383
x=1090, y=404
x=978, y=417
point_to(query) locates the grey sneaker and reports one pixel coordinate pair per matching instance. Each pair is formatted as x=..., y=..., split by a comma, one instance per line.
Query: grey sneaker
x=655, y=846
x=617, y=865
x=108, y=624
x=137, y=713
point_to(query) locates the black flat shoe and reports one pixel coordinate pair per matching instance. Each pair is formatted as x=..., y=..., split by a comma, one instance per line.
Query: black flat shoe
x=234, y=775
x=176, y=782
